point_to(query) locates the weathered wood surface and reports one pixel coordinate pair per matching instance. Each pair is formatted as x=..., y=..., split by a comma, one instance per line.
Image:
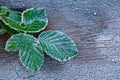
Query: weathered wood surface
x=94, y=25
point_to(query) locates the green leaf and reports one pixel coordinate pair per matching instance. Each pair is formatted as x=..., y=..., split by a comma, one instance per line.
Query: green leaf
x=31, y=55
x=3, y=10
x=7, y=28
x=10, y=22
x=32, y=58
x=58, y=45
x=33, y=20
x=14, y=15
x=19, y=41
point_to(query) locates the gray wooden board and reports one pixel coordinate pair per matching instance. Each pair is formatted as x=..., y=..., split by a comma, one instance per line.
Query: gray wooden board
x=94, y=25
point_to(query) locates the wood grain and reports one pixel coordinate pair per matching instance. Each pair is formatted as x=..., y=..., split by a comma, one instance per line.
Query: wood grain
x=94, y=25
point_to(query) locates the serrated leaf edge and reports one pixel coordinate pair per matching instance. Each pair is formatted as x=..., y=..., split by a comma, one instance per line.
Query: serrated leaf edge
x=7, y=44
x=22, y=21
x=39, y=29
x=58, y=58
x=11, y=26
x=19, y=54
x=27, y=66
x=3, y=7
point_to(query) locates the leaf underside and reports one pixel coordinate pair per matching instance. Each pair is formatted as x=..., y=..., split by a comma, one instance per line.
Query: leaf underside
x=58, y=45
x=30, y=54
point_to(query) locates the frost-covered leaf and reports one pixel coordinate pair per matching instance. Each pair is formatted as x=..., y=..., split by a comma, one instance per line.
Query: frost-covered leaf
x=33, y=20
x=20, y=41
x=14, y=15
x=7, y=28
x=32, y=58
x=31, y=55
x=3, y=10
x=58, y=45
x=13, y=24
